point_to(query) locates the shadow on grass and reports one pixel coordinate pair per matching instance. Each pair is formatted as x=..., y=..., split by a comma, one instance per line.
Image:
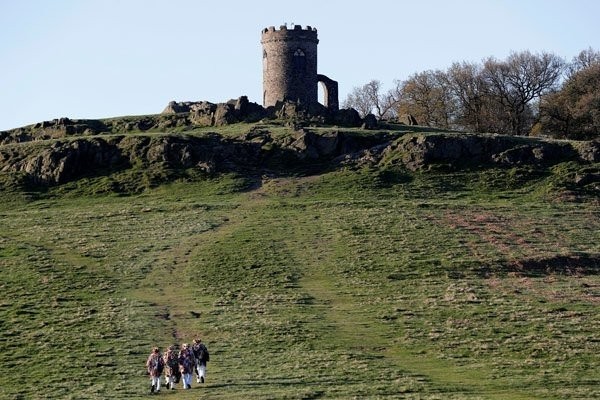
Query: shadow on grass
x=568, y=265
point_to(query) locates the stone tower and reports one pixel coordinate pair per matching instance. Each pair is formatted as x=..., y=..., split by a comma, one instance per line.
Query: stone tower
x=290, y=67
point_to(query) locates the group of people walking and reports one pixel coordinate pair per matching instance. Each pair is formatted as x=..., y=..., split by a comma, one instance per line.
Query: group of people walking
x=178, y=365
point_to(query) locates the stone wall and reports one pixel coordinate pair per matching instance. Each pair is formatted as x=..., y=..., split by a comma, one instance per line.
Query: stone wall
x=289, y=65
x=330, y=89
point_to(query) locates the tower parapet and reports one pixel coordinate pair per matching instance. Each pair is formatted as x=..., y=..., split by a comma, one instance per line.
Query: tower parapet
x=285, y=33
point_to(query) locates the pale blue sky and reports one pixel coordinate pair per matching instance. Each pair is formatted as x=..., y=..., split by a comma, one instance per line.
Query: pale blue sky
x=105, y=58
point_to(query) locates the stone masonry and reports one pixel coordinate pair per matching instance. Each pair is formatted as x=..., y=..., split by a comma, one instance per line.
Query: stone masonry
x=290, y=68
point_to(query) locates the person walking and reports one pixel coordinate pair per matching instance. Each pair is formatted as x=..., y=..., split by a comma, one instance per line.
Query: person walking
x=155, y=366
x=186, y=365
x=201, y=356
x=172, y=373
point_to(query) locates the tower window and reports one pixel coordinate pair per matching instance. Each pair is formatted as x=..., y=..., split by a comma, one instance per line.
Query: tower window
x=299, y=60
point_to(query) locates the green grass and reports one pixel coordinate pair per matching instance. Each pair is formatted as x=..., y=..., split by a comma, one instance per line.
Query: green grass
x=363, y=284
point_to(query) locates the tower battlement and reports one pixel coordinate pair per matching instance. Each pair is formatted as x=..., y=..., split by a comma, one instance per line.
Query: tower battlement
x=286, y=34
x=285, y=28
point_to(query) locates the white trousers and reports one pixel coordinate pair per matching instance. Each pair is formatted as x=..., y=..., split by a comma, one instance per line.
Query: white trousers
x=201, y=371
x=156, y=383
x=187, y=380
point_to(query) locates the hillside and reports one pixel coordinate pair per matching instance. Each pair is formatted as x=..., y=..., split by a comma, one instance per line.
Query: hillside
x=316, y=261
x=116, y=153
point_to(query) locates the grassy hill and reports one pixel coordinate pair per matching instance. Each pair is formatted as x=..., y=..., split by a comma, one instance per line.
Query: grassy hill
x=364, y=280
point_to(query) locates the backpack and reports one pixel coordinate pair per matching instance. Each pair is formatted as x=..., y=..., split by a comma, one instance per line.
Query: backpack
x=172, y=360
x=204, y=356
x=201, y=352
x=157, y=364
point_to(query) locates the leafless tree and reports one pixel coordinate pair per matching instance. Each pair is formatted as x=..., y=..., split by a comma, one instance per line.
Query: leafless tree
x=585, y=58
x=574, y=111
x=514, y=83
x=469, y=95
x=369, y=99
x=359, y=100
x=426, y=96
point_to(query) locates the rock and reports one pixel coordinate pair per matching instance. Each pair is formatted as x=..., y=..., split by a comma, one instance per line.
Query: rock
x=253, y=113
x=540, y=153
x=202, y=113
x=288, y=110
x=64, y=161
x=518, y=155
x=224, y=115
x=303, y=145
x=205, y=113
x=327, y=143
x=347, y=117
x=241, y=105
x=174, y=108
x=419, y=150
x=407, y=119
x=583, y=179
x=172, y=152
x=589, y=151
x=204, y=107
x=369, y=122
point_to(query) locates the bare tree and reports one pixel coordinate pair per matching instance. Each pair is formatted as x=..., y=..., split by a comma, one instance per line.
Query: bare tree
x=369, y=99
x=426, y=96
x=523, y=77
x=574, y=111
x=359, y=100
x=586, y=58
x=469, y=94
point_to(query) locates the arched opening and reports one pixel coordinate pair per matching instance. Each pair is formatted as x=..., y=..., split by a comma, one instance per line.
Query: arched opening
x=323, y=93
x=330, y=92
x=299, y=60
x=265, y=63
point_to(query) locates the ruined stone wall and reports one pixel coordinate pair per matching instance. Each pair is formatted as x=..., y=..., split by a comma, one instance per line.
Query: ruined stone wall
x=290, y=65
x=330, y=89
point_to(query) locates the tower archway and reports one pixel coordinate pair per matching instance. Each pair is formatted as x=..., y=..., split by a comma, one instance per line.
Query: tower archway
x=330, y=92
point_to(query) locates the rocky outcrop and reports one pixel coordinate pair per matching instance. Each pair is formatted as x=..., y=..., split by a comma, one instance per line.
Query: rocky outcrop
x=56, y=128
x=589, y=151
x=190, y=115
x=347, y=117
x=407, y=119
x=61, y=160
x=205, y=113
x=67, y=160
x=241, y=110
x=369, y=122
x=313, y=146
x=416, y=151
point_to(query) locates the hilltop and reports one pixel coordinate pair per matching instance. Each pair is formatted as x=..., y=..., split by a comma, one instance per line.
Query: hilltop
x=316, y=259
x=201, y=140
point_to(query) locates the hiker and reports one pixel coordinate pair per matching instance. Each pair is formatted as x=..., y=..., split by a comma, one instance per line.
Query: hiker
x=172, y=373
x=201, y=356
x=155, y=366
x=186, y=365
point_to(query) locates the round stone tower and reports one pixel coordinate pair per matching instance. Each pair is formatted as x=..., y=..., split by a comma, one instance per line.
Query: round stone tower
x=290, y=65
